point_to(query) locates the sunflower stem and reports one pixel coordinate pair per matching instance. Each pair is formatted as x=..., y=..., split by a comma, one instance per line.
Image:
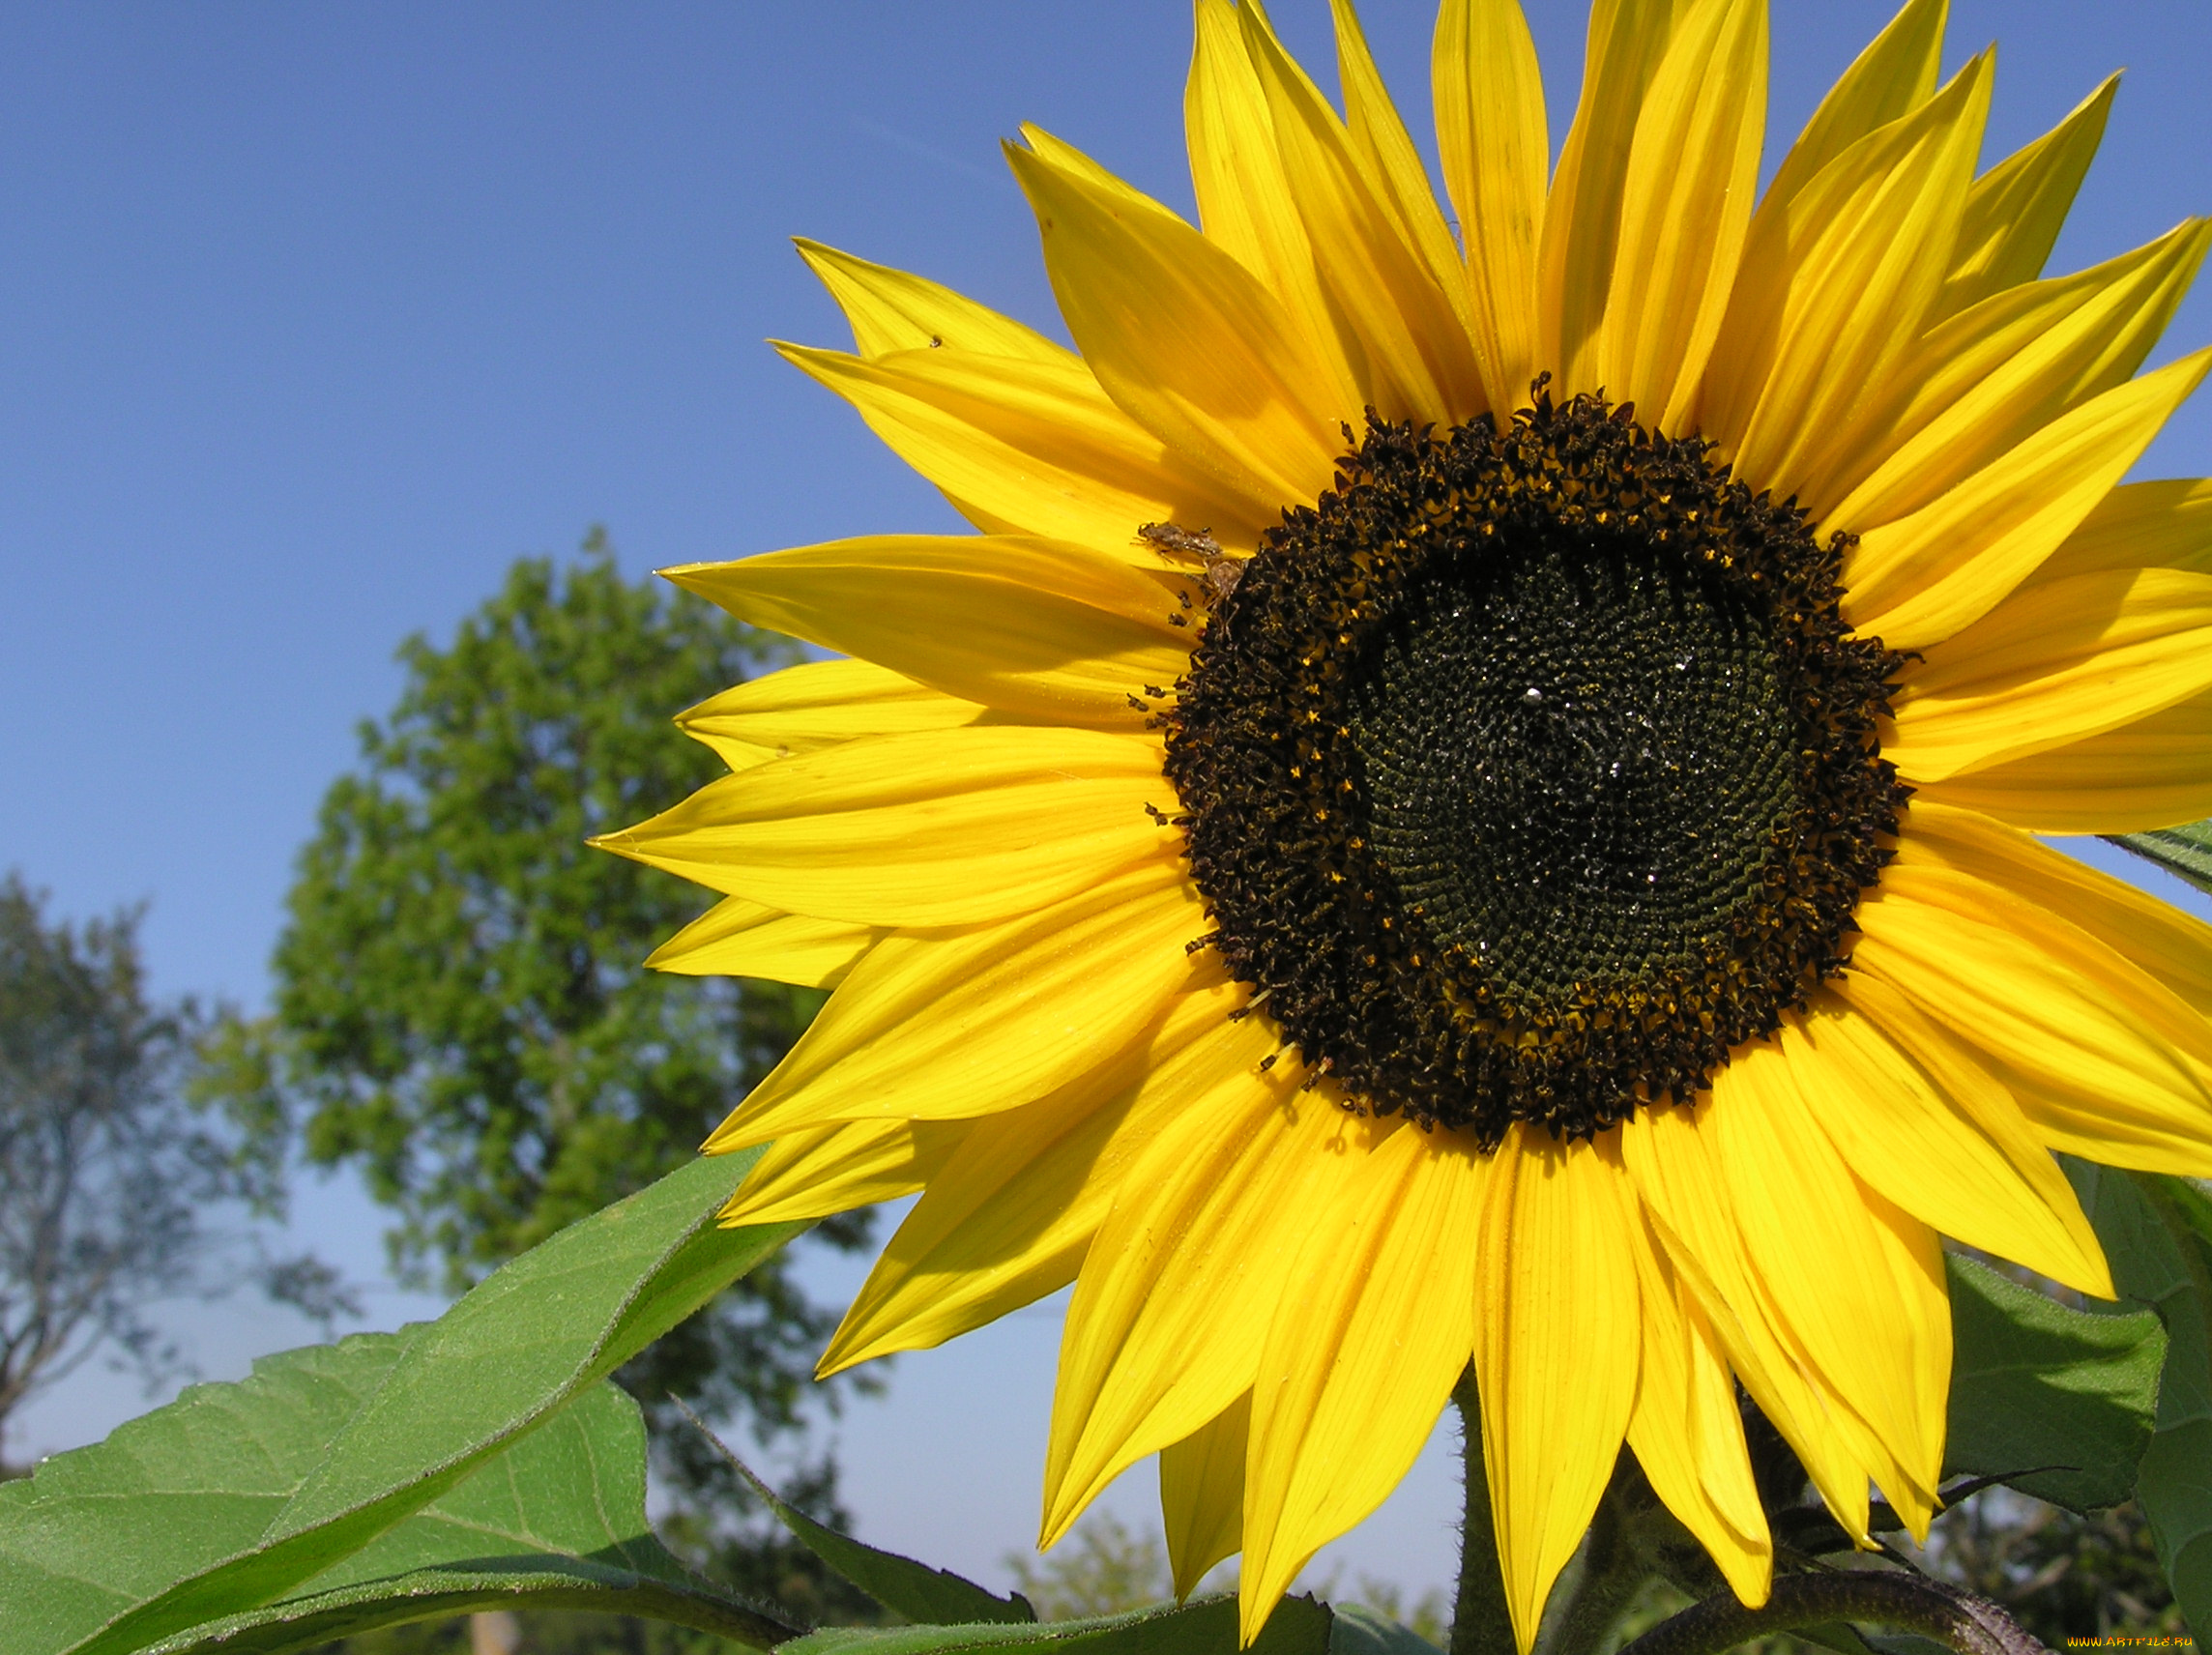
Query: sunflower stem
x=1633, y=1539
x=1597, y=1586
x=1481, y=1623
x=1911, y=1603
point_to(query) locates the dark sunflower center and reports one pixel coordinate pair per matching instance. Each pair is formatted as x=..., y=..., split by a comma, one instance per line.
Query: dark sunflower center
x=1532, y=771
x=1572, y=760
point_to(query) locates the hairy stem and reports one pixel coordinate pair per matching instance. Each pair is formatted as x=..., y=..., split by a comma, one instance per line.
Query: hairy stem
x=1589, y=1598
x=1481, y=1624
x=1913, y=1602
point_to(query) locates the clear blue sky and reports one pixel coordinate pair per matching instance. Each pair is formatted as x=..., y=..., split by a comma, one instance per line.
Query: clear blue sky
x=314, y=317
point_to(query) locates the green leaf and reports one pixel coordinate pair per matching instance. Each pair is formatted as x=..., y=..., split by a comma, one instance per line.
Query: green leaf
x=1300, y=1626
x=1849, y=1640
x=236, y=1496
x=557, y=1521
x=1904, y=1643
x=2157, y=1233
x=2184, y=852
x=1356, y=1629
x=901, y=1585
x=2035, y=1385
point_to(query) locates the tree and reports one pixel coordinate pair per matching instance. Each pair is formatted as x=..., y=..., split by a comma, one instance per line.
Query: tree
x=1103, y=1567
x=461, y=1009
x=107, y=1172
x=2066, y=1577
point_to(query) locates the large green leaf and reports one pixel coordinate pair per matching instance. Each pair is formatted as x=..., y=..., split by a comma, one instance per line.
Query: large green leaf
x=2034, y=1386
x=2184, y=852
x=104, y=1528
x=2158, y=1236
x=1300, y=1626
x=558, y=1521
x=237, y=1496
x=1354, y=1630
x=901, y=1585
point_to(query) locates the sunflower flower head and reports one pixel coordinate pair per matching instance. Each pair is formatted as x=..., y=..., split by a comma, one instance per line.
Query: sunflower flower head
x=1468, y=810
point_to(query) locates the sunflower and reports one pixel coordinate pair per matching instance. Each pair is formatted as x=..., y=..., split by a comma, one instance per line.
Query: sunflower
x=1468, y=807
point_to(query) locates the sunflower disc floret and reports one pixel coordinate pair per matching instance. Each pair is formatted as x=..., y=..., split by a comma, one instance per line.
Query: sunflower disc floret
x=1533, y=768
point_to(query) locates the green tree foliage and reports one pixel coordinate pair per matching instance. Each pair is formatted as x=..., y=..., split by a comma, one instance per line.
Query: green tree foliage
x=461, y=1009
x=2063, y=1575
x=1102, y=1568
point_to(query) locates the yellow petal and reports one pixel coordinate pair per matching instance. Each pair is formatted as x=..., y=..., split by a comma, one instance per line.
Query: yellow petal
x=2156, y=773
x=1185, y=337
x=1491, y=137
x=1009, y=1218
x=1582, y=221
x=821, y=704
x=1989, y=379
x=1202, y=1495
x=1914, y=1256
x=932, y=1028
x=2151, y=1133
x=1244, y=201
x=834, y=1168
x=741, y=939
x=1675, y=1156
x=2159, y=1129
x=1693, y=169
x=1888, y=81
x=1057, y=153
x=1393, y=166
x=1032, y=447
x=1687, y=1431
x=1919, y=1118
x=1183, y=1280
x=1037, y=627
x=2173, y=946
x=2162, y=1129
x=1867, y=1310
x=2016, y=208
x=2099, y=1055
x=946, y=827
x=1937, y=901
x=1833, y=285
x=2052, y=665
x=1556, y=1351
x=980, y=1243
x=1419, y=362
x=891, y=310
x=1362, y=1356
x=2166, y=524
x=1921, y=579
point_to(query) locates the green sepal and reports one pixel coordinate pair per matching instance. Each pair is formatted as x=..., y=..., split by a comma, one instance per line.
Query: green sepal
x=901, y=1585
x=2057, y=1403
x=558, y=1521
x=235, y=1496
x=2184, y=852
x=1300, y=1626
x=2157, y=1233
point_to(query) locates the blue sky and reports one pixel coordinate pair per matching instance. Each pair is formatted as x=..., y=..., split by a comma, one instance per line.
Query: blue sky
x=312, y=318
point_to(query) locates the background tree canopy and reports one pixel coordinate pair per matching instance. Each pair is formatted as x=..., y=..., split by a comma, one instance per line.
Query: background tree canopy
x=461, y=1009
x=107, y=1172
